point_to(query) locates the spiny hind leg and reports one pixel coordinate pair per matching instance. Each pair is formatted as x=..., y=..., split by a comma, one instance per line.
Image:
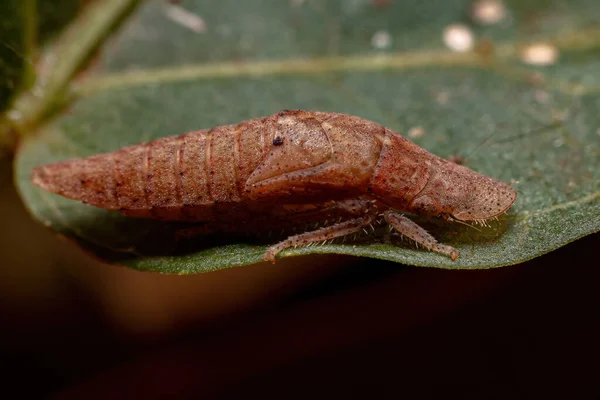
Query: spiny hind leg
x=413, y=231
x=326, y=233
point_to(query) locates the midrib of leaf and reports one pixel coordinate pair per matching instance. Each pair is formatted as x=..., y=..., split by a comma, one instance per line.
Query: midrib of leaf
x=60, y=61
x=503, y=52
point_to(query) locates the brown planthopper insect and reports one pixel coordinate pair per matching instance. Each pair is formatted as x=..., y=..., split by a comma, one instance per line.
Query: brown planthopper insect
x=284, y=170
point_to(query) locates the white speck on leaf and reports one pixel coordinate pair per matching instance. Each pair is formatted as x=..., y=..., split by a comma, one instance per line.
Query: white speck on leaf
x=541, y=54
x=185, y=18
x=488, y=12
x=416, y=132
x=459, y=38
x=381, y=40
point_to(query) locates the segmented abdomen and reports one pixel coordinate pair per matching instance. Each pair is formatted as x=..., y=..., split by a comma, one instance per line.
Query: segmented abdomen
x=176, y=178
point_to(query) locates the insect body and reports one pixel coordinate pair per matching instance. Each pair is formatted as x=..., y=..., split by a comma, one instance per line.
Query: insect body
x=283, y=170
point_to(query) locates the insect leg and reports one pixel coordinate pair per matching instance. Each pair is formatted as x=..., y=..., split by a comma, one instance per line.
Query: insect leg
x=326, y=233
x=413, y=231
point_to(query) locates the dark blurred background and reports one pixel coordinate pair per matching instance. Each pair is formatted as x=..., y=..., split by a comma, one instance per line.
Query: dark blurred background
x=307, y=327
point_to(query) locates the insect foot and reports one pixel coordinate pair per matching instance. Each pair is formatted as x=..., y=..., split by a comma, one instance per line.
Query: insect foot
x=413, y=231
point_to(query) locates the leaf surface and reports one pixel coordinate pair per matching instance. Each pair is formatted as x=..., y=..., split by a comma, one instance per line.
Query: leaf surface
x=172, y=69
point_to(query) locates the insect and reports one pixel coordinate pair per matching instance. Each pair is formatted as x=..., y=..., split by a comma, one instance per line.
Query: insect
x=284, y=170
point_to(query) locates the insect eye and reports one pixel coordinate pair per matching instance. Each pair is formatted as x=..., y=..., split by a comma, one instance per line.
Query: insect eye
x=277, y=141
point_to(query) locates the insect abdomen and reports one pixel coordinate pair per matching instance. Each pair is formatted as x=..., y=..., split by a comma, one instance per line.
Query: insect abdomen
x=175, y=178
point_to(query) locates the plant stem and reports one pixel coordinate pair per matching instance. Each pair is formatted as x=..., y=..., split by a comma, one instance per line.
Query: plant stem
x=57, y=65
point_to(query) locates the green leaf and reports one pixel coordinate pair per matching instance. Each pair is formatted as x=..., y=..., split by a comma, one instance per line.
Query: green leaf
x=163, y=75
